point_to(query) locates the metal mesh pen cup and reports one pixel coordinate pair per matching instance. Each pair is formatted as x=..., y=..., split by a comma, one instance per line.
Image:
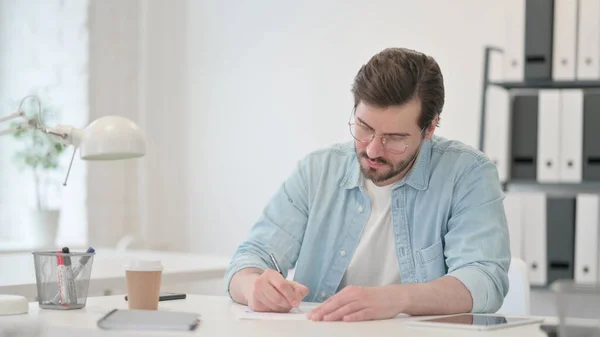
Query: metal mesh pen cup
x=62, y=279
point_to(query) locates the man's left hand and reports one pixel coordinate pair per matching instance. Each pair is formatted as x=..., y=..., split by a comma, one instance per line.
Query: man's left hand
x=358, y=304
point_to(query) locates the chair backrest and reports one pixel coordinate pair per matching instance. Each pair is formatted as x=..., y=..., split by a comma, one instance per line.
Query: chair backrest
x=517, y=300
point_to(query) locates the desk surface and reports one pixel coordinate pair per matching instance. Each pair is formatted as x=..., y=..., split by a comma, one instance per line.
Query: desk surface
x=218, y=319
x=17, y=274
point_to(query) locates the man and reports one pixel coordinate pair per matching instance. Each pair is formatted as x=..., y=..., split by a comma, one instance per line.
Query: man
x=397, y=221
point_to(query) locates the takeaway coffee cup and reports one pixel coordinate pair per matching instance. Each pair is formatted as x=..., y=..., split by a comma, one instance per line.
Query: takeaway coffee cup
x=143, y=284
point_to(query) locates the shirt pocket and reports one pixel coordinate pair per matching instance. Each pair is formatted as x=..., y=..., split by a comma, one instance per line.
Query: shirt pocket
x=432, y=262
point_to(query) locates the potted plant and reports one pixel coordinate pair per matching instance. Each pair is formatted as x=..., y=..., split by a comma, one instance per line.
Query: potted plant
x=40, y=155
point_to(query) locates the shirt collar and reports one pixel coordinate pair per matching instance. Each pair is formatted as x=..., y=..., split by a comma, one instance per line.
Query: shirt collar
x=417, y=177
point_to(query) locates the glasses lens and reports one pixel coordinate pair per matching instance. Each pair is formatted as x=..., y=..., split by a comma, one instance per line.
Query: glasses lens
x=365, y=135
x=395, y=145
x=361, y=133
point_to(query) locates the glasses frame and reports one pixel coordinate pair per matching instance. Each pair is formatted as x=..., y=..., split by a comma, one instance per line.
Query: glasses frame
x=375, y=135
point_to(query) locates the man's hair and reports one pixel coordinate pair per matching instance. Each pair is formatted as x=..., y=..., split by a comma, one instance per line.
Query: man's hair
x=395, y=76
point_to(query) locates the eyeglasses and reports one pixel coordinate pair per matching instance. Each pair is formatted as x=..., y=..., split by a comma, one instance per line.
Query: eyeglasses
x=364, y=134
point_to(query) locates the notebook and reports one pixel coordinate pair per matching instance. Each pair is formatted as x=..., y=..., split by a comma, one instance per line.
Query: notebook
x=149, y=320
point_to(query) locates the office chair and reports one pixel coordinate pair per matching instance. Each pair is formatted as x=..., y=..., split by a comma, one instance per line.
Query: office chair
x=517, y=301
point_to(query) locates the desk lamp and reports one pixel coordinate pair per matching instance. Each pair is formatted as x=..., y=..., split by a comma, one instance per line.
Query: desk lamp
x=107, y=138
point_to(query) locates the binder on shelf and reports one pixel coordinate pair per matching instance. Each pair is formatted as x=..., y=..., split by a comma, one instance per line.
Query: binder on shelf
x=539, y=17
x=534, y=234
x=560, y=236
x=497, y=130
x=514, y=48
x=588, y=40
x=591, y=136
x=513, y=208
x=524, y=144
x=587, y=238
x=565, y=40
x=571, y=135
x=548, y=144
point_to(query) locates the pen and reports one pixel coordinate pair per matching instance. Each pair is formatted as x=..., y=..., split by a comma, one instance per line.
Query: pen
x=276, y=264
x=76, y=271
x=69, y=280
x=63, y=291
x=82, y=262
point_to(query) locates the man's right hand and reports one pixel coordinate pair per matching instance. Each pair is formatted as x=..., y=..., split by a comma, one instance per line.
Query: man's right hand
x=267, y=291
x=272, y=292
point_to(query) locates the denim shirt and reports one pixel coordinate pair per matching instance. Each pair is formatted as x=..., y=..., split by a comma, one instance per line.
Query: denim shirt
x=447, y=213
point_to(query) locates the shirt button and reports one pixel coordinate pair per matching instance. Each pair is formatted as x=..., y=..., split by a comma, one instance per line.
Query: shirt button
x=342, y=252
x=323, y=294
x=360, y=209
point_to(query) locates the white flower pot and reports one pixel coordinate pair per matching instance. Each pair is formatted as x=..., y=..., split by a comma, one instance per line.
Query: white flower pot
x=43, y=227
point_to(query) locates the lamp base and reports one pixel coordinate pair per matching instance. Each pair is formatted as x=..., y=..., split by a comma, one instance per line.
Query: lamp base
x=13, y=305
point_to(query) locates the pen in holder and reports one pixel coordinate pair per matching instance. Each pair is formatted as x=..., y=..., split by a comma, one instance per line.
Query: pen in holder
x=63, y=278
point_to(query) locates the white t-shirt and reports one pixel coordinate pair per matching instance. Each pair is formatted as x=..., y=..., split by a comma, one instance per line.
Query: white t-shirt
x=375, y=262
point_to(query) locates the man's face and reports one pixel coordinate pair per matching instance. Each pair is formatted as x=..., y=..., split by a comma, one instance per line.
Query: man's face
x=399, y=125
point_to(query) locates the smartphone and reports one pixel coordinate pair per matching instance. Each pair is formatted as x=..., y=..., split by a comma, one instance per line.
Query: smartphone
x=164, y=296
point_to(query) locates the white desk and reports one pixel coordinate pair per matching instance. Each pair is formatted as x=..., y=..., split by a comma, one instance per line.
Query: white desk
x=17, y=272
x=217, y=319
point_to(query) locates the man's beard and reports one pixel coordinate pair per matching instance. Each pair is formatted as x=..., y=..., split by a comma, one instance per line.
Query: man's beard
x=381, y=174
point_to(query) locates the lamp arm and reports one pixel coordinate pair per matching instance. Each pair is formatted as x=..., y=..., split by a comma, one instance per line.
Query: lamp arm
x=64, y=134
x=14, y=129
x=29, y=123
x=12, y=116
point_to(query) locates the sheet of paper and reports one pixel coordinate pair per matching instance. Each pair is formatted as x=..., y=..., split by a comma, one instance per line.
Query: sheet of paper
x=243, y=312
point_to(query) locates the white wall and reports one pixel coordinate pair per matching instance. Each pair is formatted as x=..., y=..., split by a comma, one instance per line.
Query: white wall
x=269, y=81
x=164, y=171
x=137, y=65
x=113, y=203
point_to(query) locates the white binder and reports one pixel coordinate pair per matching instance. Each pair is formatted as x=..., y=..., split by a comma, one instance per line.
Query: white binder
x=571, y=135
x=513, y=207
x=497, y=130
x=565, y=38
x=514, y=47
x=548, y=157
x=588, y=40
x=587, y=238
x=534, y=236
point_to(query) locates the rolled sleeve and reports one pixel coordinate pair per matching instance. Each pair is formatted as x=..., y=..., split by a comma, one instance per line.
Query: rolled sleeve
x=487, y=297
x=477, y=245
x=245, y=258
x=279, y=230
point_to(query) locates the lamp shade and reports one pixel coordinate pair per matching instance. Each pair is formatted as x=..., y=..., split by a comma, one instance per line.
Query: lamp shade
x=112, y=138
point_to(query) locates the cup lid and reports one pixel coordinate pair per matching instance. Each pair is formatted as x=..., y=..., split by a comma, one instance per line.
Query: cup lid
x=143, y=265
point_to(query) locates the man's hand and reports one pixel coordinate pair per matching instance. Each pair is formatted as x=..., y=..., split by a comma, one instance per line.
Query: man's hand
x=443, y=296
x=273, y=293
x=358, y=304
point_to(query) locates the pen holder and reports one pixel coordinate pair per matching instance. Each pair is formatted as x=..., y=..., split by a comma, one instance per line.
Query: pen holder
x=62, y=279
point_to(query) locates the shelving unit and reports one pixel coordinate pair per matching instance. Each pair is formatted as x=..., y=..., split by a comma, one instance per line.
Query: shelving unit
x=548, y=85
x=530, y=185
x=541, y=127
x=511, y=85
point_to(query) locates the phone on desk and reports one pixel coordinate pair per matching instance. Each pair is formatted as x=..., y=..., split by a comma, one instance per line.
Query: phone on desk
x=166, y=296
